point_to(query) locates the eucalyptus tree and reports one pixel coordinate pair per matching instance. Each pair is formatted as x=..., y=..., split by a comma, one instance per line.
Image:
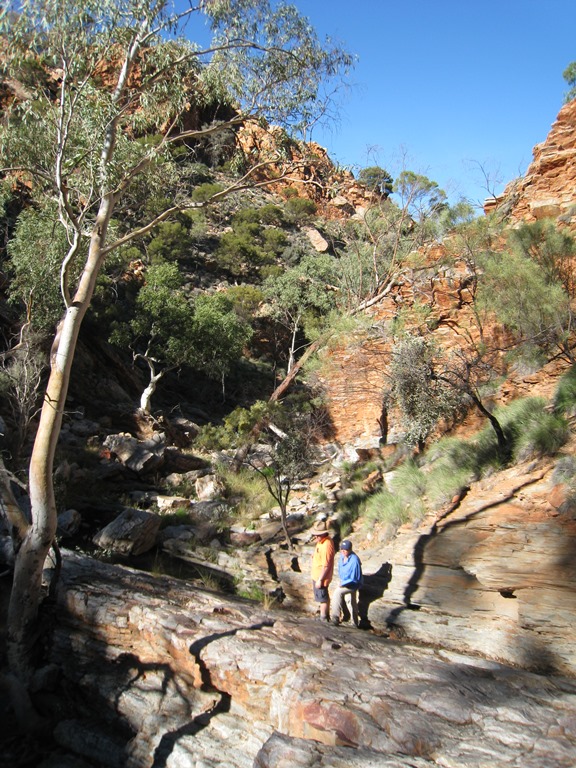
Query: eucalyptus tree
x=569, y=75
x=108, y=90
x=373, y=249
x=303, y=293
x=531, y=289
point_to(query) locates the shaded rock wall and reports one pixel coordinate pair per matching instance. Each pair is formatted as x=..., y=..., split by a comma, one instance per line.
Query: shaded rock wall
x=495, y=575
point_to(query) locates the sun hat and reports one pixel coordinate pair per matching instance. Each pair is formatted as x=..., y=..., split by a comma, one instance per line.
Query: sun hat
x=320, y=529
x=346, y=544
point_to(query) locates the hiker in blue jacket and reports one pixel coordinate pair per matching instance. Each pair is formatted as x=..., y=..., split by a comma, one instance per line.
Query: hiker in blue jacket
x=350, y=574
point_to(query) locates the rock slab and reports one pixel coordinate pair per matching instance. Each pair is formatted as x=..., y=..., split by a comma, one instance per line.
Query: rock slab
x=200, y=679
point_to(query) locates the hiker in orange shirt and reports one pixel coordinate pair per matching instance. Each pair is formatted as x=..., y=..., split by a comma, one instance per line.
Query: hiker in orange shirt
x=322, y=567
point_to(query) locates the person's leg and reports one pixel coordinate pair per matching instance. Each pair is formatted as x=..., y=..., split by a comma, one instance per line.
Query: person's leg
x=322, y=597
x=354, y=606
x=336, y=605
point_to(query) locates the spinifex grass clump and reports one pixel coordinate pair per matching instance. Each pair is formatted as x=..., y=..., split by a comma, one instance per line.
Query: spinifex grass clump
x=247, y=490
x=419, y=487
x=565, y=395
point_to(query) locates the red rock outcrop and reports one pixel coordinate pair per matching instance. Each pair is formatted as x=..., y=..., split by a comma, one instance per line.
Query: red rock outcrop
x=312, y=173
x=356, y=373
x=548, y=190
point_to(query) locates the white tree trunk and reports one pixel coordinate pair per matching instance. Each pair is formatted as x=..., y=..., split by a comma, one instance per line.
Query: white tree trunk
x=27, y=586
x=146, y=396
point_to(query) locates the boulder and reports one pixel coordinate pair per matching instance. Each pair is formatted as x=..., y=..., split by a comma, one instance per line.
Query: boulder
x=133, y=532
x=141, y=456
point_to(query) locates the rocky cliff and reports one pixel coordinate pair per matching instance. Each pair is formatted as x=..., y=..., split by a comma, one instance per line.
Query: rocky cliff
x=493, y=571
x=356, y=371
x=548, y=189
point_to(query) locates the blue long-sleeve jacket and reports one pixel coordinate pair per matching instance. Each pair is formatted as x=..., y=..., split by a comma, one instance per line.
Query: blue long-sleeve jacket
x=350, y=571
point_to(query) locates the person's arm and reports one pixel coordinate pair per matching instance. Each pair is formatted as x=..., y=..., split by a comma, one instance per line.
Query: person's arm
x=327, y=569
x=353, y=574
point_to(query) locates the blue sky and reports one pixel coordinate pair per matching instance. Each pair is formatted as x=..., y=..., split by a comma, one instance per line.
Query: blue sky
x=447, y=87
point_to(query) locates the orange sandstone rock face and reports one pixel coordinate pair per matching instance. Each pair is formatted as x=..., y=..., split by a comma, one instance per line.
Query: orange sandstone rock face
x=548, y=188
x=356, y=372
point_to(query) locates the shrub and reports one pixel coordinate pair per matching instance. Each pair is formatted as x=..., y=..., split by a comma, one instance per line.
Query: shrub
x=205, y=191
x=531, y=430
x=238, y=250
x=349, y=508
x=248, y=493
x=274, y=240
x=299, y=209
x=386, y=507
x=271, y=214
x=565, y=395
x=246, y=216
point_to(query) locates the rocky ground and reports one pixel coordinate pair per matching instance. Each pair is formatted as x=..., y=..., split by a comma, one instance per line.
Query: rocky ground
x=199, y=679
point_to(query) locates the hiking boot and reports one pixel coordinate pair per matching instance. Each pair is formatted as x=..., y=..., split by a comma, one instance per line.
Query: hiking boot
x=334, y=621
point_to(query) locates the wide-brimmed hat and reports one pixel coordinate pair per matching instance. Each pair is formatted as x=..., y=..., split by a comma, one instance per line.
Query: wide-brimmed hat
x=320, y=529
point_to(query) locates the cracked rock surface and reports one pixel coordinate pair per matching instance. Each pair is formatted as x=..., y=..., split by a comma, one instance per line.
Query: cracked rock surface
x=199, y=679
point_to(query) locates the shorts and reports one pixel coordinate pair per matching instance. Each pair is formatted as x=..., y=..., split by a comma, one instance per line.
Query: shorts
x=320, y=595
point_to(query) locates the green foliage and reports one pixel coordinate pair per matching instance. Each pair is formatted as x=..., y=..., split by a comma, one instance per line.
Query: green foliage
x=300, y=209
x=565, y=395
x=524, y=299
x=35, y=257
x=180, y=516
x=349, y=508
x=569, y=75
x=415, y=388
x=386, y=507
x=161, y=327
x=553, y=249
x=271, y=214
x=239, y=250
x=303, y=288
x=246, y=490
x=219, y=335
x=530, y=429
x=420, y=196
x=265, y=214
x=249, y=244
x=376, y=179
x=246, y=300
x=171, y=242
x=203, y=192
x=565, y=474
x=283, y=73
x=274, y=241
x=237, y=426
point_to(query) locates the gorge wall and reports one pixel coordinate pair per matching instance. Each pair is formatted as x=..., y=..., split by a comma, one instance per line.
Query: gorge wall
x=492, y=572
x=356, y=371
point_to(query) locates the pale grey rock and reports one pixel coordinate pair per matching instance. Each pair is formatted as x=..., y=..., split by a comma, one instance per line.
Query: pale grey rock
x=69, y=523
x=205, y=679
x=133, y=532
x=318, y=242
x=209, y=488
x=141, y=456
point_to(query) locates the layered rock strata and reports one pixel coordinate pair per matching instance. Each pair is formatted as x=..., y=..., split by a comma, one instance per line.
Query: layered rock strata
x=198, y=679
